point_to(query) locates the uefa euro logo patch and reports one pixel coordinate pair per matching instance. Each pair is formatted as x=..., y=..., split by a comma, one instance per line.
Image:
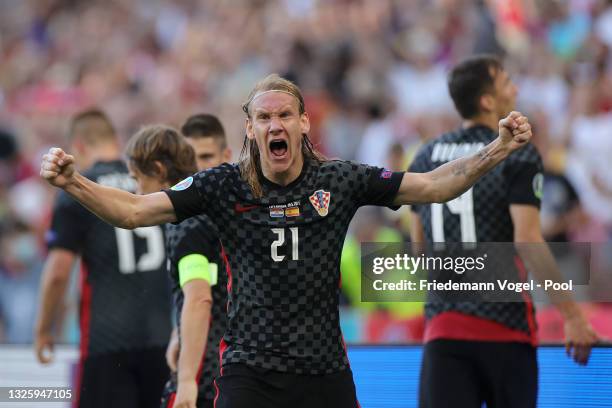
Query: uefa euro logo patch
x=183, y=185
x=320, y=201
x=386, y=174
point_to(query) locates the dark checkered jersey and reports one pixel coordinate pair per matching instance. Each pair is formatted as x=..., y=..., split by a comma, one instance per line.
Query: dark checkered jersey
x=284, y=256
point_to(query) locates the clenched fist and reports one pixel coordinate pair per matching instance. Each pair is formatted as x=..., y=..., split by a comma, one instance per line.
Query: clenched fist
x=515, y=131
x=57, y=168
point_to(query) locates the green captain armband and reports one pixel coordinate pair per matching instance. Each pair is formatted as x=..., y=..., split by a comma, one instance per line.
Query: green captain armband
x=196, y=266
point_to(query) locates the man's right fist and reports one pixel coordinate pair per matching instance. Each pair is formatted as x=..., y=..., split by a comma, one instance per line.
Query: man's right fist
x=57, y=167
x=515, y=130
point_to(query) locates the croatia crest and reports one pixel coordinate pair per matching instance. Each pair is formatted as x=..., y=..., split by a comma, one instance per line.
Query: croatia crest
x=320, y=201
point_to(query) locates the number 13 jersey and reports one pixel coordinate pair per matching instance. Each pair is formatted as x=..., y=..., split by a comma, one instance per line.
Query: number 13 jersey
x=284, y=255
x=125, y=300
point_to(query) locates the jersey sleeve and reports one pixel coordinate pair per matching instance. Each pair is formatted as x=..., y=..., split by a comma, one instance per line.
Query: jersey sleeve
x=378, y=186
x=69, y=224
x=196, y=194
x=195, y=242
x=524, y=176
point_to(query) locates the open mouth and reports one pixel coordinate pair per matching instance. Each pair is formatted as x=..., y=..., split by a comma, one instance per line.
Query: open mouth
x=278, y=148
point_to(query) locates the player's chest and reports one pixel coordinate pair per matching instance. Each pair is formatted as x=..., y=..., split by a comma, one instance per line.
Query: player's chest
x=317, y=205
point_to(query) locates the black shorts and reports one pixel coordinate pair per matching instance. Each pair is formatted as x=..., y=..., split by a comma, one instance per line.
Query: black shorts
x=169, y=395
x=123, y=379
x=242, y=386
x=465, y=374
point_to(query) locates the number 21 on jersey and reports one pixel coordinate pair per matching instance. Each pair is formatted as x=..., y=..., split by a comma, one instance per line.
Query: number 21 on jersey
x=280, y=241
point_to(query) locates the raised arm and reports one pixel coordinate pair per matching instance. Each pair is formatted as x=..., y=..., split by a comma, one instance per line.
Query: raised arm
x=452, y=179
x=117, y=207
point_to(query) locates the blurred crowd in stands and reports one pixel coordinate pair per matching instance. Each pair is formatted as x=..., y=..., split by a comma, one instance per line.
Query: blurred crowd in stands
x=374, y=77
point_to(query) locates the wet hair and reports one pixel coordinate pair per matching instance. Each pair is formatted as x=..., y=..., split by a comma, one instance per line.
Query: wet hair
x=250, y=159
x=163, y=144
x=471, y=79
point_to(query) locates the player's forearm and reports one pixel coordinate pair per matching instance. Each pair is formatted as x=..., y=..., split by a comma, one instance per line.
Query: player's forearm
x=195, y=320
x=451, y=179
x=115, y=206
x=121, y=208
x=52, y=293
x=173, y=335
x=454, y=178
x=541, y=263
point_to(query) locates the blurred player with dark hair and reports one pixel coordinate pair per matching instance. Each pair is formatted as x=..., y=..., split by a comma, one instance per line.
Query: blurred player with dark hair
x=282, y=213
x=206, y=135
x=125, y=300
x=484, y=351
x=158, y=157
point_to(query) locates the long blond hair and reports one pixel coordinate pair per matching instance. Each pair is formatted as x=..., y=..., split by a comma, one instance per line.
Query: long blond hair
x=250, y=160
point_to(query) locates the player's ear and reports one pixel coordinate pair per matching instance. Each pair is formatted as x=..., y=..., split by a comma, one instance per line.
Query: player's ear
x=227, y=154
x=304, y=123
x=487, y=103
x=77, y=146
x=160, y=170
x=249, y=129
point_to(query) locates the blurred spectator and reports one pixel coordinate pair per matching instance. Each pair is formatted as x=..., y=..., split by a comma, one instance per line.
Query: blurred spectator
x=343, y=130
x=569, y=26
x=20, y=267
x=589, y=157
x=13, y=165
x=603, y=23
x=378, y=135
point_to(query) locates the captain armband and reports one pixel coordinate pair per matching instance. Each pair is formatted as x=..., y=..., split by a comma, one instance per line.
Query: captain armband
x=197, y=266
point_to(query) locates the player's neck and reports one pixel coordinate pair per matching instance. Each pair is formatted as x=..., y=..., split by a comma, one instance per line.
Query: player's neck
x=490, y=121
x=286, y=177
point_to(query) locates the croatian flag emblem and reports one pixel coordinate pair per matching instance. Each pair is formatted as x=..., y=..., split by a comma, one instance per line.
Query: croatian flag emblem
x=320, y=201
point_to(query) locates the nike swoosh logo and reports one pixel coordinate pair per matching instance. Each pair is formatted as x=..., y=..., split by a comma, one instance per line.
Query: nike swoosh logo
x=239, y=208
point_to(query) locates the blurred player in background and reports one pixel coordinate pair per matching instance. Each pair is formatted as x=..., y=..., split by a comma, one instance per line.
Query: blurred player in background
x=158, y=157
x=125, y=316
x=206, y=135
x=282, y=213
x=485, y=352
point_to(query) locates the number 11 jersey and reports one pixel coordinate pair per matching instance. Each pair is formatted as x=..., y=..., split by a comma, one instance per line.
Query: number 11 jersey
x=284, y=255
